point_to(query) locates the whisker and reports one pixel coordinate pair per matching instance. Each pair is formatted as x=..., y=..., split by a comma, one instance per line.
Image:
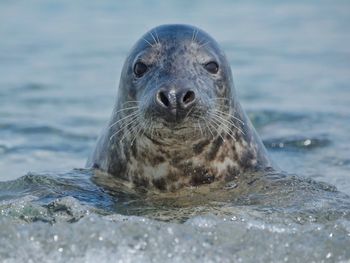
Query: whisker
x=194, y=35
x=128, y=116
x=131, y=101
x=229, y=115
x=203, y=45
x=225, y=128
x=189, y=112
x=200, y=128
x=126, y=122
x=129, y=130
x=155, y=31
x=155, y=41
x=227, y=121
x=137, y=133
x=123, y=127
x=217, y=131
x=147, y=42
x=218, y=99
x=145, y=127
x=128, y=108
x=152, y=130
x=205, y=122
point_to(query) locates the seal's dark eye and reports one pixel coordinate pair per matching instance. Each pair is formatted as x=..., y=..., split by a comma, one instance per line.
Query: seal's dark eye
x=212, y=67
x=140, y=69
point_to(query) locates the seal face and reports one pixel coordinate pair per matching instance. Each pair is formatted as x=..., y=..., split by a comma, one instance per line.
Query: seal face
x=177, y=121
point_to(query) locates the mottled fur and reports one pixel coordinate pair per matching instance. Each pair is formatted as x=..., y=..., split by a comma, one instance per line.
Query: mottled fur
x=215, y=141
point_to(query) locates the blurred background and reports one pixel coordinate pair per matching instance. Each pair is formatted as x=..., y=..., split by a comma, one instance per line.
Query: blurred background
x=60, y=63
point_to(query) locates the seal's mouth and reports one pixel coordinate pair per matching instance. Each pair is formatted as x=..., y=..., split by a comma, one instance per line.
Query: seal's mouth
x=188, y=126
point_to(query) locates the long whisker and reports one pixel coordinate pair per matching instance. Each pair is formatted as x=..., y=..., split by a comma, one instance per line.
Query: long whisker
x=124, y=126
x=202, y=45
x=224, y=127
x=145, y=127
x=128, y=132
x=216, y=129
x=132, y=101
x=228, y=115
x=208, y=127
x=126, y=122
x=194, y=35
x=128, y=108
x=227, y=121
x=131, y=128
x=137, y=133
x=127, y=116
x=200, y=128
x=155, y=31
x=147, y=42
x=218, y=99
x=155, y=41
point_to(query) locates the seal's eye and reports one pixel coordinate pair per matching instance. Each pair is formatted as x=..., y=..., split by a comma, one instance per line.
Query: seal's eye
x=140, y=69
x=212, y=67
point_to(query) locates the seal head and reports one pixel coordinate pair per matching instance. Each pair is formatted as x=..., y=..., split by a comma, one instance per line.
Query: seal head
x=177, y=120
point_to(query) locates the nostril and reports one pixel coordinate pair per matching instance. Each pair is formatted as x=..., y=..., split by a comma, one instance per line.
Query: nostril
x=189, y=97
x=162, y=99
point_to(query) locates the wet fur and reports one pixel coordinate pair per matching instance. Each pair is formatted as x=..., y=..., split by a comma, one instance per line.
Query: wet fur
x=216, y=141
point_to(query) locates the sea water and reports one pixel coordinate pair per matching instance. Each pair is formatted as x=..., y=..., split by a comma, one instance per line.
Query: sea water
x=60, y=63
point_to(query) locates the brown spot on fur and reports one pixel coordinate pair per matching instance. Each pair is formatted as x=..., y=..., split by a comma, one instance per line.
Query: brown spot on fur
x=172, y=188
x=126, y=151
x=201, y=176
x=155, y=160
x=140, y=181
x=134, y=149
x=173, y=176
x=117, y=167
x=199, y=147
x=246, y=159
x=175, y=160
x=215, y=146
x=160, y=184
x=232, y=173
x=234, y=152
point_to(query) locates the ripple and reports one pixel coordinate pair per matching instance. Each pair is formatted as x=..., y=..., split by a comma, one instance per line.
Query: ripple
x=266, y=117
x=28, y=129
x=297, y=143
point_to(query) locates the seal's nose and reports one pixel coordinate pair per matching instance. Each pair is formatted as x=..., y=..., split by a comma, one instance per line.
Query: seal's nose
x=187, y=99
x=172, y=99
x=175, y=101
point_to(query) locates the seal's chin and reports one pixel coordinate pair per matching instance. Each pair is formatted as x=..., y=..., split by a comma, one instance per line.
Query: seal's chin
x=167, y=130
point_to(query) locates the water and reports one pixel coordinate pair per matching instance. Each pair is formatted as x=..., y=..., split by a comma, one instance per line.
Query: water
x=59, y=65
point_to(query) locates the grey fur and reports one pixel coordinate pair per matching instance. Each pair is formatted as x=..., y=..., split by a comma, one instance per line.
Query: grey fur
x=214, y=141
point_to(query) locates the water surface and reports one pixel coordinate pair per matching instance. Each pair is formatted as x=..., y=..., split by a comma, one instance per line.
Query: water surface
x=59, y=69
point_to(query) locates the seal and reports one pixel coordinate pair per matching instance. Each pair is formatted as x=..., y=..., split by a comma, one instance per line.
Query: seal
x=177, y=120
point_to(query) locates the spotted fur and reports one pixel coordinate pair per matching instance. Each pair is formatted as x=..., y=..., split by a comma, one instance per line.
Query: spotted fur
x=215, y=141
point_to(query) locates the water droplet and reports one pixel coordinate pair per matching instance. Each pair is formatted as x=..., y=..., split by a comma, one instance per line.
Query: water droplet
x=329, y=255
x=60, y=249
x=55, y=238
